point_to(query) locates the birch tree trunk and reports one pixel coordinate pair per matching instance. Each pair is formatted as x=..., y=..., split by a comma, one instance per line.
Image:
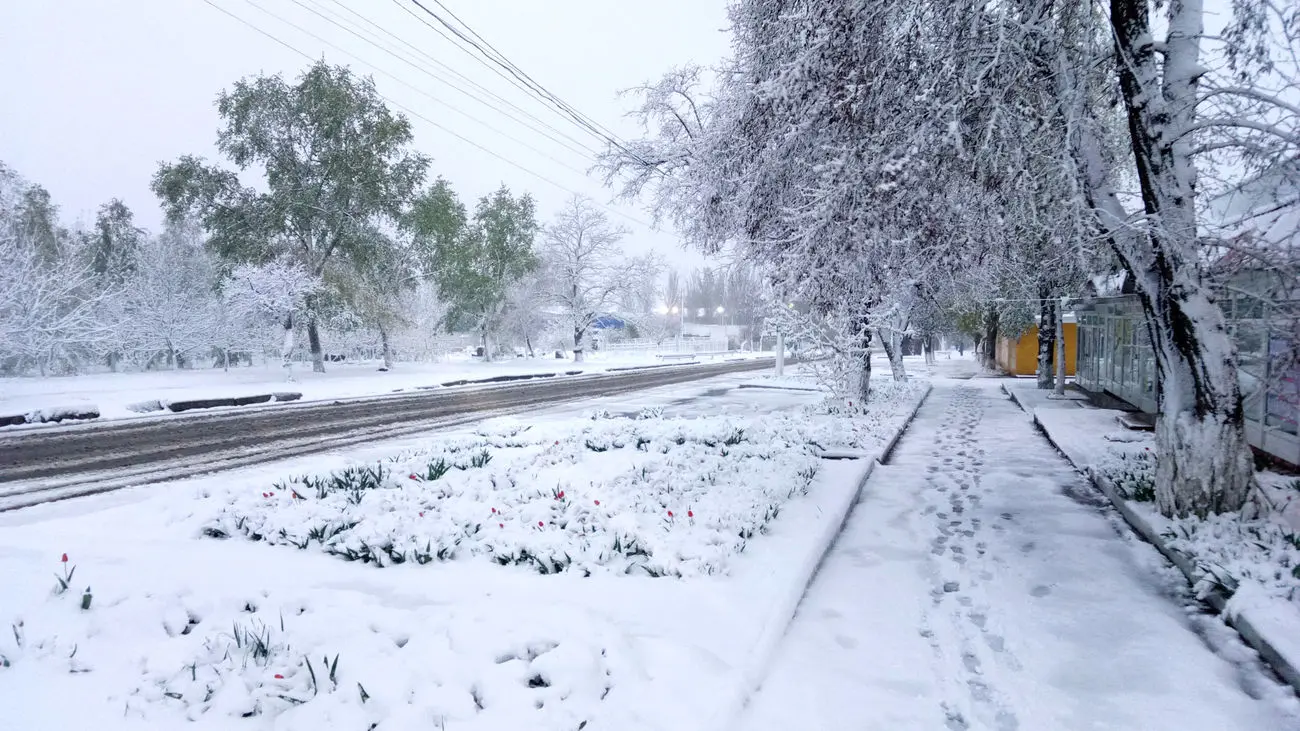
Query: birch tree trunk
x=1046, y=343
x=1204, y=464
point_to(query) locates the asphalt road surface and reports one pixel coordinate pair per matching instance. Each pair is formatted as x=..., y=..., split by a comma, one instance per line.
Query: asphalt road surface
x=42, y=465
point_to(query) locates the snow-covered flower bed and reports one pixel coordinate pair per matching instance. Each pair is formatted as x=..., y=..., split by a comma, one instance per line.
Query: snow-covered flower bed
x=184, y=629
x=675, y=497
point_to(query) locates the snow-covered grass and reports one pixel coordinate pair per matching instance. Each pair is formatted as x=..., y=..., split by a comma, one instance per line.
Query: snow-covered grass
x=235, y=633
x=118, y=395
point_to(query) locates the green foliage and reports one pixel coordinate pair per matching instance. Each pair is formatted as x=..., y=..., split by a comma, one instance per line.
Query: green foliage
x=38, y=220
x=474, y=260
x=336, y=164
x=113, y=246
x=1134, y=475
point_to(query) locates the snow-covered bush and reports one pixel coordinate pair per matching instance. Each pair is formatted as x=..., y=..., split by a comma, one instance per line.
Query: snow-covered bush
x=1231, y=552
x=1133, y=474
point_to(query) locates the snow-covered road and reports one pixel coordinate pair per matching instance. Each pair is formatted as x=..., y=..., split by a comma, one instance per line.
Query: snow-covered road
x=980, y=584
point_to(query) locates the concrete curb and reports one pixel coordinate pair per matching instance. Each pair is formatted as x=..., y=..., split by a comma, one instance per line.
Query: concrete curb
x=1217, y=599
x=51, y=415
x=778, y=622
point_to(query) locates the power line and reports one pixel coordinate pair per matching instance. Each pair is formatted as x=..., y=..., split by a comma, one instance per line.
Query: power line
x=520, y=78
x=352, y=29
x=416, y=89
x=517, y=71
x=416, y=114
x=457, y=42
x=462, y=77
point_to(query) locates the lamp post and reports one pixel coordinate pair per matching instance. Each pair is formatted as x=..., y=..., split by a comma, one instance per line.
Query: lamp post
x=681, y=324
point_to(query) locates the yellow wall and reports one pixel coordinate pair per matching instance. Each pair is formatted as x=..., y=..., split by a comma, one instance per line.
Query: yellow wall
x=1020, y=357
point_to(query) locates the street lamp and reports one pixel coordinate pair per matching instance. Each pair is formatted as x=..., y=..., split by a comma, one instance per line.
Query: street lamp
x=681, y=313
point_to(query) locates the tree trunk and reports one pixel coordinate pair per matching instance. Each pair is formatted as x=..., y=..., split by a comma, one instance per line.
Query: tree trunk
x=1046, y=342
x=990, y=352
x=387, y=348
x=864, y=375
x=1203, y=463
x=894, y=354
x=313, y=341
x=528, y=343
x=286, y=347
x=927, y=348
x=487, y=349
x=577, y=344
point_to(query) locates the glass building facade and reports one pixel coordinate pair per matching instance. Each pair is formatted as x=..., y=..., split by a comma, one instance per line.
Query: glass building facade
x=1115, y=353
x=1115, y=357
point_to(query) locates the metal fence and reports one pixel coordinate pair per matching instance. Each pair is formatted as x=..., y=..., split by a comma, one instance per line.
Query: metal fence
x=668, y=345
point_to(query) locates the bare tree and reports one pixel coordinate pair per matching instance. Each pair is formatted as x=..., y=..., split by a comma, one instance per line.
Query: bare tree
x=586, y=271
x=168, y=309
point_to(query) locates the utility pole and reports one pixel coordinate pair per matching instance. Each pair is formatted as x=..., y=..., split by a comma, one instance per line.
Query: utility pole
x=1060, y=346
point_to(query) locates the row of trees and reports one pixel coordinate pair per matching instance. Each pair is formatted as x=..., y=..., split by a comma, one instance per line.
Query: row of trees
x=341, y=235
x=903, y=165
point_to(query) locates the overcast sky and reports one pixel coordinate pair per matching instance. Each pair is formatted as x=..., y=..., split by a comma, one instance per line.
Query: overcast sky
x=94, y=94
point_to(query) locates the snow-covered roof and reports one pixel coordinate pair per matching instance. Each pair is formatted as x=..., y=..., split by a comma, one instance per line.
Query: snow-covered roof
x=1107, y=285
x=1263, y=213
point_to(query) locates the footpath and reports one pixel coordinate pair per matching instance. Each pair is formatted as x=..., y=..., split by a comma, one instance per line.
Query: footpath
x=982, y=583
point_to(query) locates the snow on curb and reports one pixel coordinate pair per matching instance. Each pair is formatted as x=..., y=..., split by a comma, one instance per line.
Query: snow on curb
x=782, y=611
x=1254, y=617
x=508, y=378
x=49, y=415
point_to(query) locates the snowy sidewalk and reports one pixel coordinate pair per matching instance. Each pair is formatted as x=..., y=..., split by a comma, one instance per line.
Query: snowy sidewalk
x=979, y=584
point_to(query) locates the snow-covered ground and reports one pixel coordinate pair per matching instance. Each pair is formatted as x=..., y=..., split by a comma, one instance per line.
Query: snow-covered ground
x=981, y=583
x=113, y=393
x=1254, y=559
x=184, y=625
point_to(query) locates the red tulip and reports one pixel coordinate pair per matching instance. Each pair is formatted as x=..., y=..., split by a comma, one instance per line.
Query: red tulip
x=494, y=510
x=670, y=513
x=279, y=676
x=540, y=524
x=690, y=513
x=598, y=502
x=502, y=524
x=421, y=513
x=65, y=558
x=413, y=477
x=561, y=495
